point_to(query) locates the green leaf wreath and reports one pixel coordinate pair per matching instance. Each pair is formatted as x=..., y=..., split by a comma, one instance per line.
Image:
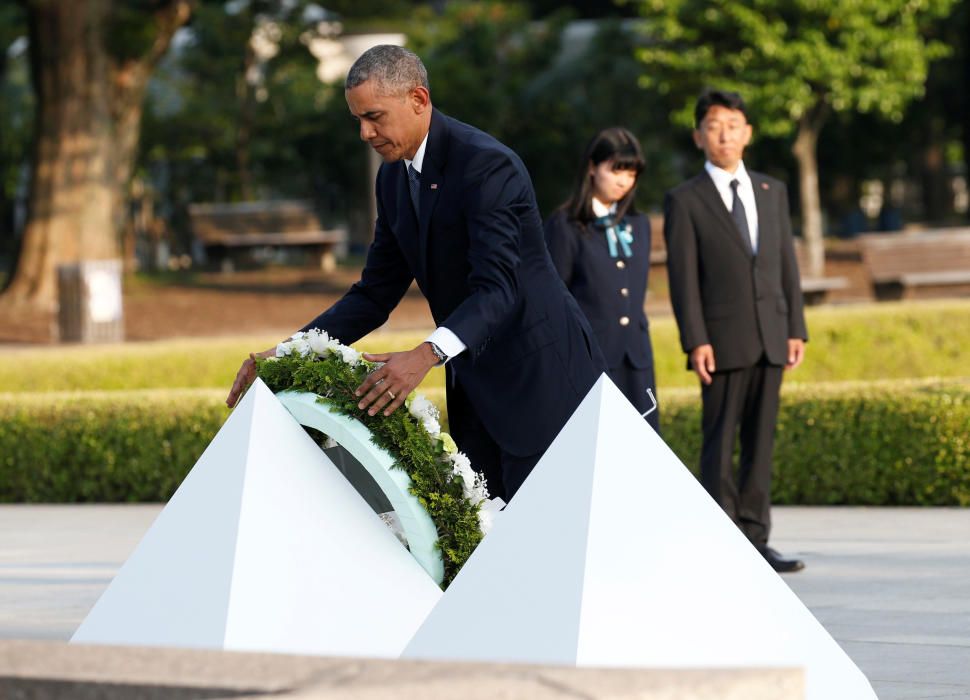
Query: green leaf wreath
x=441, y=477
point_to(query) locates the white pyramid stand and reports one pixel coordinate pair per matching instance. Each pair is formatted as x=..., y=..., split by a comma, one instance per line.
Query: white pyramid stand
x=265, y=547
x=612, y=554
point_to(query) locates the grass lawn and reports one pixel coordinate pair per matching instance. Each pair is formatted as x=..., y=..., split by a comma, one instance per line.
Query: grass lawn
x=848, y=343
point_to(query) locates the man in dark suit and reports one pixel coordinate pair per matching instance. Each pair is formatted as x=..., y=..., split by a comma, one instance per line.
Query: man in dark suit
x=736, y=294
x=456, y=212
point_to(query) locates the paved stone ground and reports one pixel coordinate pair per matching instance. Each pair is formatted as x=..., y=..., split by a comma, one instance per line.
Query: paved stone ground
x=892, y=585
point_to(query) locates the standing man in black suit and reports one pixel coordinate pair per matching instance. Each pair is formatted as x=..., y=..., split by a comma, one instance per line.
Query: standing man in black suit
x=736, y=294
x=456, y=211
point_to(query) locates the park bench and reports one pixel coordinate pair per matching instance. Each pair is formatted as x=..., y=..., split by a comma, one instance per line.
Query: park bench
x=815, y=290
x=230, y=233
x=926, y=263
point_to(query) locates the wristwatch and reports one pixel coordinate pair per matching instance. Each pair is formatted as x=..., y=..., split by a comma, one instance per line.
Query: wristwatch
x=438, y=352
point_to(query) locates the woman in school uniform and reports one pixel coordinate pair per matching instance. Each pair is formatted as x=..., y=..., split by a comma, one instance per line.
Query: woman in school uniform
x=601, y=248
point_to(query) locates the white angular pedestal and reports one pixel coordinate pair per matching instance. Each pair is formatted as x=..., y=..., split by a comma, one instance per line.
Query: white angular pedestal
x=612, y=554
x=265, y=547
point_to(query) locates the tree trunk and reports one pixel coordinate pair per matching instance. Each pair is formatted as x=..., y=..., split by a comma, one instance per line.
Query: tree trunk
x=805, y=151
x=88, y=112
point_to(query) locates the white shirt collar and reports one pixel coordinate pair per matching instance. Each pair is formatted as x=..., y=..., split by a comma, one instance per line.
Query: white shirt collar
x=418, y=161
x=722, y=178
x=601, y=209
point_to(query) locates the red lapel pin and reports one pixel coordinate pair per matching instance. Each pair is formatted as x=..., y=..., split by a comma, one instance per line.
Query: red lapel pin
x=434, y=185
x=764, y=185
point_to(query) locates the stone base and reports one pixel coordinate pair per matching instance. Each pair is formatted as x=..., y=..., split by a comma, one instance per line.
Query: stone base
x=33, y=670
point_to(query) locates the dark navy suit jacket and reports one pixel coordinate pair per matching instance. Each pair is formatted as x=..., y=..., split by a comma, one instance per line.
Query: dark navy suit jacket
x=611, y=296
x=479, y=257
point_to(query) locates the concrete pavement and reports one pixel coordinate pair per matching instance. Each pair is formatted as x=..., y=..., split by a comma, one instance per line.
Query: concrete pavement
x=892, y=585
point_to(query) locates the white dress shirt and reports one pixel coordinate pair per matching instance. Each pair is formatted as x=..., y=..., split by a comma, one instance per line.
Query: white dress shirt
x=444, y=338
x=601, y=209
x=722, y=181
x=418, y=156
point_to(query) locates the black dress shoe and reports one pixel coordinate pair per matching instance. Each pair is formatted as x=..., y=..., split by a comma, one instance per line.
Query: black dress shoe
x=779, y=563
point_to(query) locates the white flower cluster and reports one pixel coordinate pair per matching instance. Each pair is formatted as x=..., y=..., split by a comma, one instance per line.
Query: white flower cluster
x=318, y=343
x=473, y=484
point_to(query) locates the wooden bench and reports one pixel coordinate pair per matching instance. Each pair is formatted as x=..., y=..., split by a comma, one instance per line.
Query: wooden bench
x=815, y=290
x=231, y=232
x=922, y=264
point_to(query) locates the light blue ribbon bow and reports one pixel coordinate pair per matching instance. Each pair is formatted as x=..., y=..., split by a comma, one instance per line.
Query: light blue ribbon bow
x=617, y=233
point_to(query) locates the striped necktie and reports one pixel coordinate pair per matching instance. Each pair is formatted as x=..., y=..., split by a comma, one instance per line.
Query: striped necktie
x=414, y=184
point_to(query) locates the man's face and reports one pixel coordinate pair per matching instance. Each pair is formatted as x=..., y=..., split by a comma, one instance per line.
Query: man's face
x=394, y=125
x=722, y=135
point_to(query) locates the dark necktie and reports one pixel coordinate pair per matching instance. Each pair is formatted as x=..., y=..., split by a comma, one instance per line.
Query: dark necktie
x=414, y=184
x=739, y=215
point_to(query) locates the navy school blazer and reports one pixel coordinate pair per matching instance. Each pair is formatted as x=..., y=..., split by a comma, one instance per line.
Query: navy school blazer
x=479, y=257
x=611, y=295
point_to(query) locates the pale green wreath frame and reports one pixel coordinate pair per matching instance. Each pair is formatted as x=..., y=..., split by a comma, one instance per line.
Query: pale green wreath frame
x=394, y=483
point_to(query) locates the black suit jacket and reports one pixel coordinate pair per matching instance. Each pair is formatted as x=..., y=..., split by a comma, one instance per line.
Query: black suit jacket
x=744, y=305
x=479, y=258
x=607, y=294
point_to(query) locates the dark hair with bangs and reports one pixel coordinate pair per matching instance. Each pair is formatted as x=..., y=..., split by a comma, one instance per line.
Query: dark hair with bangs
x=614, y=144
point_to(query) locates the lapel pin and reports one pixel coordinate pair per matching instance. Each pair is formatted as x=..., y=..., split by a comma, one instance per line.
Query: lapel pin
x=434, y=185
x=764, y=185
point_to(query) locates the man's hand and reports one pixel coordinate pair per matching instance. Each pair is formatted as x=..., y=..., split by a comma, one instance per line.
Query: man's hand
x=246, y=375
x=796, y=352
x=387, y=387
x=702, y=361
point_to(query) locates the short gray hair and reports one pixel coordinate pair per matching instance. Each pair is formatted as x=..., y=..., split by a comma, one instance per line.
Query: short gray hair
x=394, y=69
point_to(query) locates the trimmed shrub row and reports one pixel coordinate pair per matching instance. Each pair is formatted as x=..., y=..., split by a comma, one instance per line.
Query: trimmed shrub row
x=853, y=444
x=104, y=446
x=863, y=443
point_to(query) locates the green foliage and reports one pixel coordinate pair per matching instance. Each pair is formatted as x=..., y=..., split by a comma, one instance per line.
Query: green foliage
x=542, y=92
x=131, y=29
x=788, y=58
x=414, y=450
x=185, y=363
x=16, y=118
x=878, y=341
x=114, y=447
x=879, y=443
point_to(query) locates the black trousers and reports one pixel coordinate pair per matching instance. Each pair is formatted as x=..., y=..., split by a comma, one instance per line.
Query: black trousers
x=504, y=473
x=744, y=400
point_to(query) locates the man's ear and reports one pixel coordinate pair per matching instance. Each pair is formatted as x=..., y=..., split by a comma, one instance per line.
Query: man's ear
x=697, y=139
x=420, y=99
x=749, y=134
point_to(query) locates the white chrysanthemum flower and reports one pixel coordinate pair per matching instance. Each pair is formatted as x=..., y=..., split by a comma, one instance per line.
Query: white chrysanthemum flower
x=432, y=426
x=301, y=347
x=349, y=355
x=319, y=341
x=472, y=484
x=421, y=407
x=485, y=521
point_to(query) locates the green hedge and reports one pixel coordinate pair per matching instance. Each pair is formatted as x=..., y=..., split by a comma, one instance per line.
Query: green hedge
x=865, y=342
x=863, y=444
x=107, y=446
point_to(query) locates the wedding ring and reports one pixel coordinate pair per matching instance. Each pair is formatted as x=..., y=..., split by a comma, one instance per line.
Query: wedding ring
x=391, y=394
